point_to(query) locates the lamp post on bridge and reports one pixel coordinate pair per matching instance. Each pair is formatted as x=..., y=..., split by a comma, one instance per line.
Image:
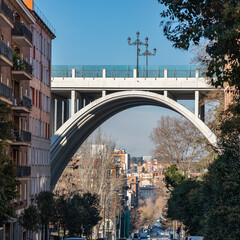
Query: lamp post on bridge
x=147, y=53
x=137, y=43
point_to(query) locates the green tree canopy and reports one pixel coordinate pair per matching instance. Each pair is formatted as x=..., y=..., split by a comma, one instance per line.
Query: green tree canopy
x=186, y=205
x=173, y=177
x=8, y=182
x=190, y=21
x=30, y=219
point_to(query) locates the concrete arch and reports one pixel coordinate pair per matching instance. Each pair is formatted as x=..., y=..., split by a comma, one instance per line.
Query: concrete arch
x=69, y=137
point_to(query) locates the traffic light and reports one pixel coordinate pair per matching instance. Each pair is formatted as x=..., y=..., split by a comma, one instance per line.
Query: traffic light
x=178, y=229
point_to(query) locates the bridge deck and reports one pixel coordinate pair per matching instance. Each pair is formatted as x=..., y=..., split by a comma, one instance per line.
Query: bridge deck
x=182, y=86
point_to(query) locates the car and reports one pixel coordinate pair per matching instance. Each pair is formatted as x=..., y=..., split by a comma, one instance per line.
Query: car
x=75, y=238
x=195, y=238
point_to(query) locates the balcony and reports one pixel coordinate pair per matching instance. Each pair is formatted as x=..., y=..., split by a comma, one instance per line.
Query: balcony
x=23, y=171
x=22, y=35
x=22, y=138
x=6, y=55
x=22, y=70
x=23, y=105
x=6, y=15
x=5, y=93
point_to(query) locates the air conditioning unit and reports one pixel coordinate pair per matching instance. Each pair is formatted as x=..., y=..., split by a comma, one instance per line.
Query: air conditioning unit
x=15, y=102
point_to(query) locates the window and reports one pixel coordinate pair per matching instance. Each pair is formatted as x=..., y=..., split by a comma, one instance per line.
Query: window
x=30, y=124
x=7, y=81
x=47, y=73
x=33, y=67
x=31, y=94
x=1, y=77
x=40, y=128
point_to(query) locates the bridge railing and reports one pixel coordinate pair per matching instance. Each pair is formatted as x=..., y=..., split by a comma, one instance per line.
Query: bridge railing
x=106, y=73
x=88, y=73
x=119, y=74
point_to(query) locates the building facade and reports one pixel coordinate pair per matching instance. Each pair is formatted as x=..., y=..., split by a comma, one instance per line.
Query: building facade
x=122, y=159
x=18, y=88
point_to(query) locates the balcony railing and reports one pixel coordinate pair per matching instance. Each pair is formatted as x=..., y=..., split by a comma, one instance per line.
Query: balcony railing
x=6, y=51
x=26, y=102
x=23, y=171
x=22, y=136
x=6, y=10
x=22, y=65
x=21, y=29
x=5, y=91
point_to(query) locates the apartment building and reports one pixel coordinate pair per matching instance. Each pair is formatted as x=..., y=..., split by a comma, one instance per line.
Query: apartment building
x=25, y=64
x=122, y=159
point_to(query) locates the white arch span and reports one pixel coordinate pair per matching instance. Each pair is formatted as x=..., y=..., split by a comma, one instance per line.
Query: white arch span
x=69, y=137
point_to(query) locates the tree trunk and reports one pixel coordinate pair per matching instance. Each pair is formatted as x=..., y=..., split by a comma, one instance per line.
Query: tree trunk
x=46, y=232
x=42, y=232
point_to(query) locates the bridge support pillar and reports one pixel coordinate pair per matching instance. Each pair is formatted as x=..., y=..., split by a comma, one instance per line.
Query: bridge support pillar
x=59, y=113
x=53, y=115
x=169, y=95
x=73, y=102
x=202, y=109
x=65, y=110
x=197, y=104
x=103, y=93
x=79, y=101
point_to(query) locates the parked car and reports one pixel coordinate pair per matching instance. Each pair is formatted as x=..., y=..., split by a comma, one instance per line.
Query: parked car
x=195, y=238
x=74, y=238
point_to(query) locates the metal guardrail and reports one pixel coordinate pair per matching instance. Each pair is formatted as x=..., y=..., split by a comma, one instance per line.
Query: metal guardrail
x=61, y=73
x=112, y=73
x=22, y=136
x=7, y=10
x=27, y=102
x=23, y=171
x=181, y=73
x=21, y=29
x=6, y=51
x=44, y=19
x=151, y=74
x=28, y=67
x=5, y=91
x=88, y=73
x=119, y=74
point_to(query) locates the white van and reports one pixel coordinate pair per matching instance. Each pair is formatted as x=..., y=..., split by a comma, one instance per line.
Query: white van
x=195, y=238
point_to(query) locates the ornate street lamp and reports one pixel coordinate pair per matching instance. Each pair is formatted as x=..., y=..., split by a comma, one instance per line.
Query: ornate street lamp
x=137, y=43
x=147, y=53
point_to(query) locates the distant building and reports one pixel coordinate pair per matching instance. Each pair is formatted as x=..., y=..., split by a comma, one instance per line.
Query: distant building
x=147, y=158
x=147, y=191
x=122, y=159
x=133, y=191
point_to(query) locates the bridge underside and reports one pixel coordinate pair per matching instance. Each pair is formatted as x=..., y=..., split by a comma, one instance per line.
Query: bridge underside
x=69, y=137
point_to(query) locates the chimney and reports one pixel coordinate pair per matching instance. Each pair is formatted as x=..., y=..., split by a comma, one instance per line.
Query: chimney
x=29, y=4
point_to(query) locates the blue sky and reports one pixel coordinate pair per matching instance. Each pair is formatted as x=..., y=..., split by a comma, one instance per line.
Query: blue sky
x=95, y=32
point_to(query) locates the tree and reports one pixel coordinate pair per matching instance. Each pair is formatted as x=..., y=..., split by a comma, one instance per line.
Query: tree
x=173, y=177
x=178, y=142
x=47, y=210
x=213, y=20
x=30, y=218
x=82, y=214
x=8, y=180
x=222, y=182
x=186, y=205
